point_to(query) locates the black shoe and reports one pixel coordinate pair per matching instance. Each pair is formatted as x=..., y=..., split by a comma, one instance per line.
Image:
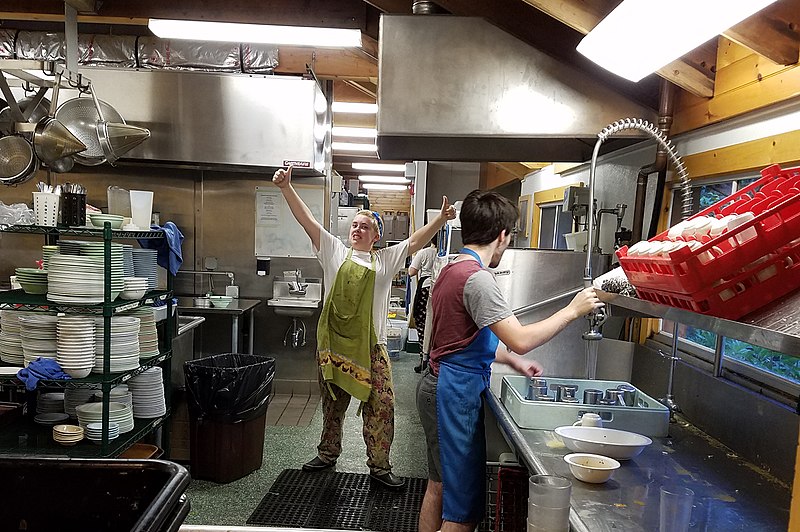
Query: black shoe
x=418, y=369
x=388, y=480
x=317, y=464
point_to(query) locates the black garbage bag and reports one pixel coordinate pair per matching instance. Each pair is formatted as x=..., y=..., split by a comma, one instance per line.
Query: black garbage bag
x=230, y=387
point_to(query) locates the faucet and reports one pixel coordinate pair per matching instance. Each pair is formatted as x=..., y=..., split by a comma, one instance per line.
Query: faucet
x=618, y=211
x=669, y=399
x=296, y=288
x=598, y=317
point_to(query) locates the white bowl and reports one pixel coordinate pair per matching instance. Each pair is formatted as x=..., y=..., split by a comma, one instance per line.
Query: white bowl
x=591, y=468
x=618, y=444
x=132, y=294
x=220, y=301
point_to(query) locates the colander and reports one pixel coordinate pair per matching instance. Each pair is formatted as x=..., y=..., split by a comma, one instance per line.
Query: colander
x=51, y=140
x=80, y=116
x=6, y=120
x=17, y=160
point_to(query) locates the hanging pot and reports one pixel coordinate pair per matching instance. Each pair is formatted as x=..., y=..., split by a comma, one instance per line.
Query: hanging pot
x=51, y=139
x=18, y=161
x=7, y=121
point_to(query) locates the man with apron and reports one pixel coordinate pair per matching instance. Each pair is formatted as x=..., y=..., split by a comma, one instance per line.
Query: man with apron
x=351, y=334
x=470, y=318
x=422, y=264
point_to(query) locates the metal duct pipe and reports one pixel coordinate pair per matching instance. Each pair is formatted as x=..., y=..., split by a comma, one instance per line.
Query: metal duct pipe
x=426, y=8
x=665, y=112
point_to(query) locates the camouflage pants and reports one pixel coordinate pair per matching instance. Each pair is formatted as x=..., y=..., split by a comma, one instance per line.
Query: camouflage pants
x=377, y=414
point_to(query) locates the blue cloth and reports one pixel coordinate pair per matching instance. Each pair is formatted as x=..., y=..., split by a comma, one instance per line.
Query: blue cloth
x=463, y=378
x=41, y=368
x=170, y=255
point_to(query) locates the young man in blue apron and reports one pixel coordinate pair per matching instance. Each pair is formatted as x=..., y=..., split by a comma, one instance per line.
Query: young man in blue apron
x=351, y=334
x=470, y=318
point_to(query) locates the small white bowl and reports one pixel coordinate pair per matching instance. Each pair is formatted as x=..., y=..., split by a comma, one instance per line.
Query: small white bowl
x=220, y=301
x=132, y=294
x=592, y=468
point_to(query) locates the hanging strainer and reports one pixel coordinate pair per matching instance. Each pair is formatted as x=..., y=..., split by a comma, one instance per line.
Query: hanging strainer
x=81, y=116
x=51, y=139
x=117, y=138
x=17, y=160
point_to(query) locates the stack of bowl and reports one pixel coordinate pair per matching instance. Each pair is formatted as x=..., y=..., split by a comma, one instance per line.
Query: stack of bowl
x=67, y=434
x=220, y=301
x=99, y=219
x=134, y=288
x=32, y=280
x=94, y=431
x=47, y=252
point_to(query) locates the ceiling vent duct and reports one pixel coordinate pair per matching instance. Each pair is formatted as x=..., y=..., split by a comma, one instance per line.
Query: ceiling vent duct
x=460, y=89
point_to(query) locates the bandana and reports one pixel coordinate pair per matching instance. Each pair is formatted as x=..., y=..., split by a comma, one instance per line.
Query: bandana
x=380, y=223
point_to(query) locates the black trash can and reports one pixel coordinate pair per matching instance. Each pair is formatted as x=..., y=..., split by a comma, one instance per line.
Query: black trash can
x=228, y=396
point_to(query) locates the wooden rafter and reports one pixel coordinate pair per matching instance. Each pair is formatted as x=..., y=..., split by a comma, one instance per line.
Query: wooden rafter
x=773, y=32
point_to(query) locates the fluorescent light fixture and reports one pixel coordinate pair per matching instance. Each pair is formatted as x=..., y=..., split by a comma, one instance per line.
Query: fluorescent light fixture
x=623, y=43
x=354, y=146
x=355, y=108
x=386, y=179
x=255, y=33
x=383, y=186
x=355, y=132
x=379, y=167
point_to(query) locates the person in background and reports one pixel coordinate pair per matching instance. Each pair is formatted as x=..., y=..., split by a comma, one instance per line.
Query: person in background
x=351, y=333
x=422, y=265
x=470, y=319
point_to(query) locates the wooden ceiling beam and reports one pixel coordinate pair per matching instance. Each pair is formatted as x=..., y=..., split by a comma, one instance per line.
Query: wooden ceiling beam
x=773, y=32
x=583, y=16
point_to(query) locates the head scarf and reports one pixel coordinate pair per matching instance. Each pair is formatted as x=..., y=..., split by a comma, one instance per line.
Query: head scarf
x=380, y=223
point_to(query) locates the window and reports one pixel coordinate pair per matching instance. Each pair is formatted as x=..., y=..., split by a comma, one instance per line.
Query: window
x=553, y=224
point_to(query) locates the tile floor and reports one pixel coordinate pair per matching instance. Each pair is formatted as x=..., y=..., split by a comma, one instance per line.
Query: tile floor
x=290, y=446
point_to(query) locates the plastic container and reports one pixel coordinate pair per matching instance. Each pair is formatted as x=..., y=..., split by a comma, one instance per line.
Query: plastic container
x=45, y=208
x=73, y=209
x=141, y=208
x=95, y=494
x=699, y=277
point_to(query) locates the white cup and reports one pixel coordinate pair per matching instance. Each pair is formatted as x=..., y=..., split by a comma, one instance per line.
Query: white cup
x=141, y=208
x=589, y=419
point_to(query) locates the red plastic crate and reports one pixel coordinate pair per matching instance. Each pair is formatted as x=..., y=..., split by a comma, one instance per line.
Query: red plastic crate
x=775, y=201
x=512, y=499
x=758, y=285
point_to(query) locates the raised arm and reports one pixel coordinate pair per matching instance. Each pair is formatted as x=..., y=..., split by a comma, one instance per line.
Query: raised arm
x=300, y=211
x=523, y=338
x=420, y=238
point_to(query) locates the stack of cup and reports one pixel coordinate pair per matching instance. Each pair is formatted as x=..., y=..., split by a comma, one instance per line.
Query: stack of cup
x=548, y=503
x=675, y=509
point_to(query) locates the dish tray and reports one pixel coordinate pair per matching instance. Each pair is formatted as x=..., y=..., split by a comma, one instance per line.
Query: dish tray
x=648, y=417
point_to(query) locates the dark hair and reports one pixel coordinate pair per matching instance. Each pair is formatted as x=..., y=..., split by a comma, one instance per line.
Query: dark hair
x=484, y=215
x=435, y=239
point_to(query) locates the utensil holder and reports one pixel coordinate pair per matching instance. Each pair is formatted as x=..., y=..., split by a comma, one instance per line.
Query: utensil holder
x=45, y=208
x=73, y=209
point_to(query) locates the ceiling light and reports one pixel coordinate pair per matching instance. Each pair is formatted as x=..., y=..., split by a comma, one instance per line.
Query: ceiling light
x=380, y=167
x=383, y=186
x=621, y=44
x=356, y=108
x=354, y=146
x=255, y=33
x=357, y=132
x=387, y=179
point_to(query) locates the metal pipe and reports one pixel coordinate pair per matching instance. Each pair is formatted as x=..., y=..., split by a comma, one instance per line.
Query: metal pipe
x=542, y=303
x=718, y=356
x=201, y=272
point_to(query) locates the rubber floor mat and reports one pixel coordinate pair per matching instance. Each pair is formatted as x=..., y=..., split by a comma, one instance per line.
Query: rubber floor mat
x=339, y=501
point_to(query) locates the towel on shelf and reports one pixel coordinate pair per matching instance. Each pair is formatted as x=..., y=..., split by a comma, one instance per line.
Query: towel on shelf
x=170, y=255
x=41, y=368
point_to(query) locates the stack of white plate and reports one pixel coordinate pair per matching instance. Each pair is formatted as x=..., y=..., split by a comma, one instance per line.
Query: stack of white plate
x=74, y=397
x=117, y=412
x=134, y=287
x=119, y=394
x=148, y=394
x=49, y=403
x=38, y=336
x=67, y=434
x=144, y=265
x=10, y=340
x=148, y=335
x=79, y=280
x=127, y=259
x=124, y=348
x=51, y=418
x=94, y=431
x=75, y=349
x=47, y=252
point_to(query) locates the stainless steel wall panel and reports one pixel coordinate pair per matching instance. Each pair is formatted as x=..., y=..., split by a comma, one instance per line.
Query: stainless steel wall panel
x=457, y=88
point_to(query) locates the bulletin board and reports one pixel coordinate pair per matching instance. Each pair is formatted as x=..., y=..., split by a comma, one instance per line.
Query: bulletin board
x=277, y=232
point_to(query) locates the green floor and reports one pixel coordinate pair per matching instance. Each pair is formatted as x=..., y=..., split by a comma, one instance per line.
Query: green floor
x=290, y=447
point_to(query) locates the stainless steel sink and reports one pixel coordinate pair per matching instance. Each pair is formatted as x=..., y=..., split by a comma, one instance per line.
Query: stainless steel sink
x=294, y=307
x=286, y=301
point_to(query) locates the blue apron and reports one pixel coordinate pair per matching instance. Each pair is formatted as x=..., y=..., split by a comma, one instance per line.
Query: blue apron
x=463, y=376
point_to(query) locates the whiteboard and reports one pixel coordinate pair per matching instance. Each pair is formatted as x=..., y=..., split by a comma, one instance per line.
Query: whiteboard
x=277, y=232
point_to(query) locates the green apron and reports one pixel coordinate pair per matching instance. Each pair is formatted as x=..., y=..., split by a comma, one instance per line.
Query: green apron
x=346, y=332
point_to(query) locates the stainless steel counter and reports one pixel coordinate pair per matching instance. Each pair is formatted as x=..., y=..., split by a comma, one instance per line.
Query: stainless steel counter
x=236, y=309
x=730, y=494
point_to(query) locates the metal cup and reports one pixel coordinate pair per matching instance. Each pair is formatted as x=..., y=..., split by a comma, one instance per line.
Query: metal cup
x=628, y=394
x=614, y=397
x=569, y=390
x=592, y=396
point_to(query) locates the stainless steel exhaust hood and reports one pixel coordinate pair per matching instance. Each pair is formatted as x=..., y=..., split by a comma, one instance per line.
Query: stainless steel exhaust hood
x=460, y=89
x=221, y=119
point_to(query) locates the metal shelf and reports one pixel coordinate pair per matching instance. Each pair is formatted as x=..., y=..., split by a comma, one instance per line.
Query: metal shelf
x=26, y=438
x=116, y=234
x=19, y=300
x=775, y=327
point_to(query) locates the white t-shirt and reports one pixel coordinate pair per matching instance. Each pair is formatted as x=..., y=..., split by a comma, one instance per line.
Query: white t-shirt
x=423, y=261
x=388, y=261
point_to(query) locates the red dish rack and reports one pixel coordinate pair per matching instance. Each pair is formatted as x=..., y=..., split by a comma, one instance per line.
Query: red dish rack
x=738, y=271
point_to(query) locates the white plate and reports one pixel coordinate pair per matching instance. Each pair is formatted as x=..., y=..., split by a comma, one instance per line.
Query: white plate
x=618, y=444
